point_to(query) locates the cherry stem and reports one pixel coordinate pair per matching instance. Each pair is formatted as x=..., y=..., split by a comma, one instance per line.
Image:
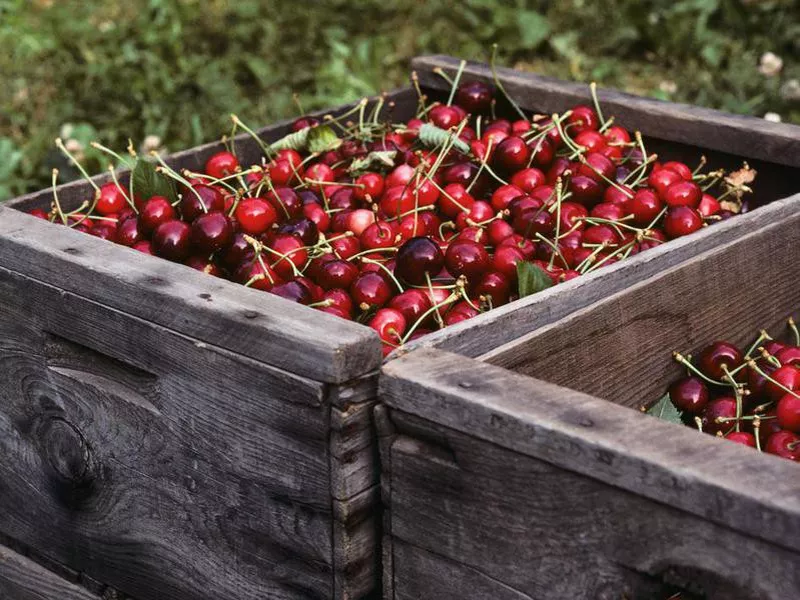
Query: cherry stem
x=129, y=200
x=60, y=145
x=454, y=84
x=686, y=363
x=583, y=161
x=499, y=84
x=432, y=310
x=753, y=365
x=56, y=201
x=169, y=171
x=386, y=270
x=593, y=90
x=263, y=145
x=110, y=152
x=762, y=335
x=769, y=357
x=737, y=393
x=795, y=332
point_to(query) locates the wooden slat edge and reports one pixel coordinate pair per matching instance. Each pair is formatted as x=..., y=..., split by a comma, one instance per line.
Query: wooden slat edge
x=27, y=580
x=749, y=137
x=721, y=481
x=479, y=335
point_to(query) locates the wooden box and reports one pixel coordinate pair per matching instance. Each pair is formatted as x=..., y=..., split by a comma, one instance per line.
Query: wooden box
x=529, y=473
x=169, y=434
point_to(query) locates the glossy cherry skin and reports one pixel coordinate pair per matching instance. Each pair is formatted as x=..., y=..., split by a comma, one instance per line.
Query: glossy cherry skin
x=788, y=412
x=172, y=241
x=156, y=210
x=303, y=228
x=418, y=257
x=581, y=119
x=112, y=199
x=661, y=180
x=719, y=408
x=787, y=376
x=370, y=290
x=683, y=193
x=288, y=254
x=128, y=233
x=474, y=97
x=337, y=273
x=467, y=258
x=203, y=199
x=689, y=395
x=255, y=215
x=211, y=232
x=790, y=355
x=718, y=356
x=413, y=303
x=461, y=311
x=742, y=437
x=708, y=205
x=585, y=190
x=258, y=275
x=390, y=325
x=645, y=207
x=222, y=164
x=680, y=221
x=785, y=444
x=496, y=286
x=511, y=155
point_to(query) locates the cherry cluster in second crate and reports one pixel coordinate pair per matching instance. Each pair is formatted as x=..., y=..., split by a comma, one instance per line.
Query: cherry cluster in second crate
x=413, y=226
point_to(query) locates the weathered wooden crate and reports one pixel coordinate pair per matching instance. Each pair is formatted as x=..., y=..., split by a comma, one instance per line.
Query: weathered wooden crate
x=529, y=473
x=175, y=435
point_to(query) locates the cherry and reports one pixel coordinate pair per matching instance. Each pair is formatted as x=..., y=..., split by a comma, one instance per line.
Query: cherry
x=143, y=247
x=719, y=408
x=345, y=247
x=289, y=252
x=304, y=122
x=293, y=291
x=505, y=261
x=112, y=199
x=608, y=211
x=461, y=311
x=542, y=153
x=680, y=168
x=585, y=190
x=211, y=232
x=467, y=258
x=390, y=325
x=768, y=427
x=681, y=220
x=784, y=444
x=370, y=290
x=788, y=376
x=572, y=215
x=303, y=228
x=496, y=286
x=444, y=116
x=258, y=274
x=742, y=437
x=474, y=97
x=498, y=230
x=527, y=180
x=504, y=195
x=255, y=215
x=39, y=214
x=582, y=118
x=788, y=413
x=590, y=139
x=418, y=257
x=661, y=180
x=645, y=207
x=756, y=382
x=369, y=187
x=171, y=241
x=708, y=205
x=104, y=231
x=715, y=358
x=203, y=265
x=597, y=167
x=129, y=233
x=531, y=222
x=412, y=303
x=337, y=273
x=380, y=234
x=199, y=200
x=512, y=154
x=222, y=164
x=286, y=202
x=689, y=395
x=317, y=214
x=617, y=135
x=790, y=355
x=683, y=193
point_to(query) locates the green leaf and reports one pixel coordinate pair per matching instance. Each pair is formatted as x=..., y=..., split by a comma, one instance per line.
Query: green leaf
x=533, y=28
x=322, y=139
x=378, y=158
x=665, y=410
x=532, y=278
x=433, y=136
x=147, y=182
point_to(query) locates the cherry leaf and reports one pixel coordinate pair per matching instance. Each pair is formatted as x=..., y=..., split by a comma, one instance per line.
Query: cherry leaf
x=665, y=410
x=147, y=182
x=532, y=278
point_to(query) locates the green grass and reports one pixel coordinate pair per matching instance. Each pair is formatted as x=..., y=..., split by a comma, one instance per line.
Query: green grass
x=112, y=70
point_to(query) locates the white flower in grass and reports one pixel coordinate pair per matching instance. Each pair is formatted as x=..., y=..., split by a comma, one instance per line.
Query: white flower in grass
x=791, y=90
x=773, y=117
x=668, y=87
x=150, y=143
x=770, y=64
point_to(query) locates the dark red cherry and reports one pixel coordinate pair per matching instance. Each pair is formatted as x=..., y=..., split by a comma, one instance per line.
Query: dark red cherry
x=474, y=97
x=303, y=228
x=156, y=210
x=680, y=221
x=418, y=257
x=718, y=356
x=444, y=116
x=203, y=199
x=689, y=395
x=585, y=190
x=788, y=376
x=784, y=444
x=370, y=290
x=128, y=233
x=645, y=207
x=467, y=258
x=511, y=155
x=683, y=193
x=171, y=240
x=211, y=232
x=496, y=286
x=715, y=411
x=412, y=303
x=337, y=273
x=742, y=437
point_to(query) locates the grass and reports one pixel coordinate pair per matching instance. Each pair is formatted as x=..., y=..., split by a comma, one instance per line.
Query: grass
x=176, y=69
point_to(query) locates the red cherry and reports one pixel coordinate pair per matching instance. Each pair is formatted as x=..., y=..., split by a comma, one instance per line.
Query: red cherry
x=680, y=168
x=128, y=233
x=788, y=376
x=171, y=241
x=591, y=140
x=444, y=116
x=390, y=325
x=370, y=290
x=661, y=180
x=496, y=286
x=788, y=412
x=504, y=194
x=211, y=232
x=255, y=215
x=222, y=164
x=413, y=303
x=474, y=97
x=505, y=261
x=617, y=135
x=585, y=190
x=645, y=207
x=201, y=199
x=598, y=167
x=143, y=247
x=582, y=118
x=708, y=205
x=526, y=180
x=683, y=193
x=784, y=444
x=461, y=311
x=512, y=154
x=112, y=199
x=304, y=122
x=467, y=258
x=368, y=186
x=715, y=358
x=418, y=257
x=288, y=252
x=608, y=211
x=542, y=153
x=156, y=210
x=378, y=235
x=720, y=408
x=790, y=355
x=258, y=275
x=239, y=251
x=681, y=220
x=203, y=265
x=689, y=395
x=345, y=247
x=742, y=437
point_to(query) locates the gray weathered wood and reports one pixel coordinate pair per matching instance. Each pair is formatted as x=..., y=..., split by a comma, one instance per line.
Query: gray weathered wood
x=488, y=522
x=722, y=482
x=620, y=347
x=159, y=464
x=23, y=579
x=746, y=136
x=504, y=324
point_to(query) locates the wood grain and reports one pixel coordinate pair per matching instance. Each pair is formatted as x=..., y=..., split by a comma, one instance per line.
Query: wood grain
x=721, y=482
x=518, y=527
x=750, y=137
x=620, y=347
x=23, y=579
x=192, y=472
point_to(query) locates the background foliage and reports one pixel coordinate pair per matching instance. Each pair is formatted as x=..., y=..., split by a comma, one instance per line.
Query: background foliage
x=110, y=69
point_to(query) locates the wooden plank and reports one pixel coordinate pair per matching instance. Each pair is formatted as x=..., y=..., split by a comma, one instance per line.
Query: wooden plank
x=726, y=484
x=256, y=324
x=746, y=136
x=354, y=460
x=189, y=471
x=524, y=528
x=620, y=347
x=23, y=579
x=356, y=546
x=504, y=324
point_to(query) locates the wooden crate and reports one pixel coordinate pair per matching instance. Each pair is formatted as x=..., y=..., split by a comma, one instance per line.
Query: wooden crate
x=528, y=473
x=174, y=435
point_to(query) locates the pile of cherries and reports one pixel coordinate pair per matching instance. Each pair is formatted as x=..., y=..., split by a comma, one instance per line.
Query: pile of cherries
x=752, y=398
x=415, y=226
